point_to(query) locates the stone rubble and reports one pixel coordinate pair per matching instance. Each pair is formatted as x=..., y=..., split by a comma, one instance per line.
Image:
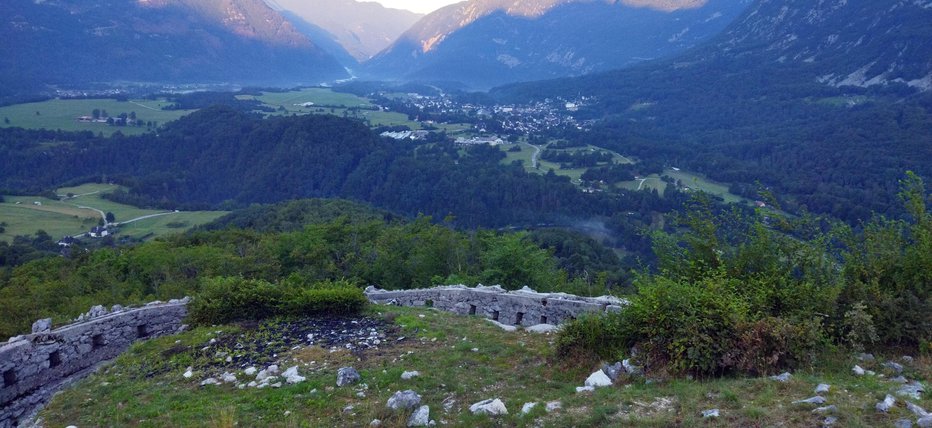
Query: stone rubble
x=527, y=408
x=825, y=409
x=613, y=370
x=818, y=399
x=420, y=417
x=784, y=377
x=292, y=377
x=912, y=390
x=598, y=379
x=885, y=405
x=346, y=376
x=711, y=413
x=491, y=407
x=410, y=375
x=822, y=388
x=403, y=400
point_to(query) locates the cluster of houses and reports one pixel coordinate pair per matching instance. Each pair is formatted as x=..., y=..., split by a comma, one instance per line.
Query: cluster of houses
x=492, y=141
x=406, y=135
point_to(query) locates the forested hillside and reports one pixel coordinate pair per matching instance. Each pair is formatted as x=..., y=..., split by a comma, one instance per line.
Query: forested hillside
x=220, y=157
x=808, y=99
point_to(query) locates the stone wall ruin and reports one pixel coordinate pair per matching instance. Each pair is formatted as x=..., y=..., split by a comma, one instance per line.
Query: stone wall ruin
x=524, y=307
x=36, y=365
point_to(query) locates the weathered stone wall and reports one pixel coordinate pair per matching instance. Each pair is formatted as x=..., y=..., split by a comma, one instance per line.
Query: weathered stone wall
x=524, y=307
x=35, y=365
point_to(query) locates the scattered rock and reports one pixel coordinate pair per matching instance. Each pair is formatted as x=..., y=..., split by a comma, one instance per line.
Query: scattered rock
x=554, y=405
x=492, y=407
x=912, y=390
x=918, y=411
x=829, y=421
x=347, y=375
x=895, y=367
x=598, y=379
x=403, y=400
x=508, y=328
x=631, y=369
x=228, y=377
x=899, y=379
x=711, y=413
x=818, y=399
x=291, y=376
x=865, y=357
x=543, y=328
x=858, y=370
x=420, y=417
x=825, y=409
x=885, y=405
x=448, y=403
x=822, y=388
x=348, y=409
x=250, y=371
x=410, y=375
x=584, y=389
x=613, y=370
x=903, y=423
x=210, y=381
x=784, y=377
x=925, y=422
x=375, y=423
x=527, y=407
x=42, y=326
x=188, y=373
x=907, y=359
x=267, y=372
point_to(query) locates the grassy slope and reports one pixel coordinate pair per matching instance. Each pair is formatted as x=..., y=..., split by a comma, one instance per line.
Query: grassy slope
x=516, y=367
x=62, y=114
x=64, y=218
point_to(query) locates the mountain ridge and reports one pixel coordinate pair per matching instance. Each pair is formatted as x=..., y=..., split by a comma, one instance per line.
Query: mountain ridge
x=488, y=42
x=168, y=41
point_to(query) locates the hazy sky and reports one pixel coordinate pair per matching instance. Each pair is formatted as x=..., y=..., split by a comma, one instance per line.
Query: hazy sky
x=420, y=6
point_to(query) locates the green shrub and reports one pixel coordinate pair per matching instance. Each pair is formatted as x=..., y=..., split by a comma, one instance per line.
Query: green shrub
x=602, y=336
x=333, y=297
x=774, y=344
x=225, y=299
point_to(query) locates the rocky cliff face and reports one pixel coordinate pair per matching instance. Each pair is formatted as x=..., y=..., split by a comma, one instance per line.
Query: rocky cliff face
x=841, y=42
x=488, y=42
x=361, y=28
x=242, y=41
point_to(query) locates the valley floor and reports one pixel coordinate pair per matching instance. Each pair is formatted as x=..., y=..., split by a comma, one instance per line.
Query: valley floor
x=461, y=361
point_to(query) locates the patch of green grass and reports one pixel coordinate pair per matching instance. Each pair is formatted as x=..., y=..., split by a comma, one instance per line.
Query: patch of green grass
x=516, y=367
x=651, y=182
x=698, y=182
x=63, y=114
x=169, y=224
x=66, y=217
x=292, y=100
x=25, y=220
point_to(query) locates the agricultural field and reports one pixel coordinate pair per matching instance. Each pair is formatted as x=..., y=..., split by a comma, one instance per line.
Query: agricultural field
x=698, y=182
x=82, y=207
x=527, y=154
x=62, y=114
x=651, y=182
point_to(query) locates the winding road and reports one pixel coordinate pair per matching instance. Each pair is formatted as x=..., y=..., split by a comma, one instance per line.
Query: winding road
x=535, y=156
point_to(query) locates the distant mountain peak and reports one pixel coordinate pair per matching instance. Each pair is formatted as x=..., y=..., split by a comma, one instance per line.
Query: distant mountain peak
x=485, y=42
x=252, y=19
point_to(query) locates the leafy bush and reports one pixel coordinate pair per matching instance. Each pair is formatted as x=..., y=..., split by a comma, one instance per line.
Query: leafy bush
x=774, y=344
x=225, y=299
x=333, y=297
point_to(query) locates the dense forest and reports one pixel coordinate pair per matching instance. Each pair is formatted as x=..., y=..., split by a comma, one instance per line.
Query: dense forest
x=320, y=245
x=222, y=157
x=836, y=151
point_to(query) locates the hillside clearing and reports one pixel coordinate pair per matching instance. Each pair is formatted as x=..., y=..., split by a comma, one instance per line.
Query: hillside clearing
x=461, y=360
